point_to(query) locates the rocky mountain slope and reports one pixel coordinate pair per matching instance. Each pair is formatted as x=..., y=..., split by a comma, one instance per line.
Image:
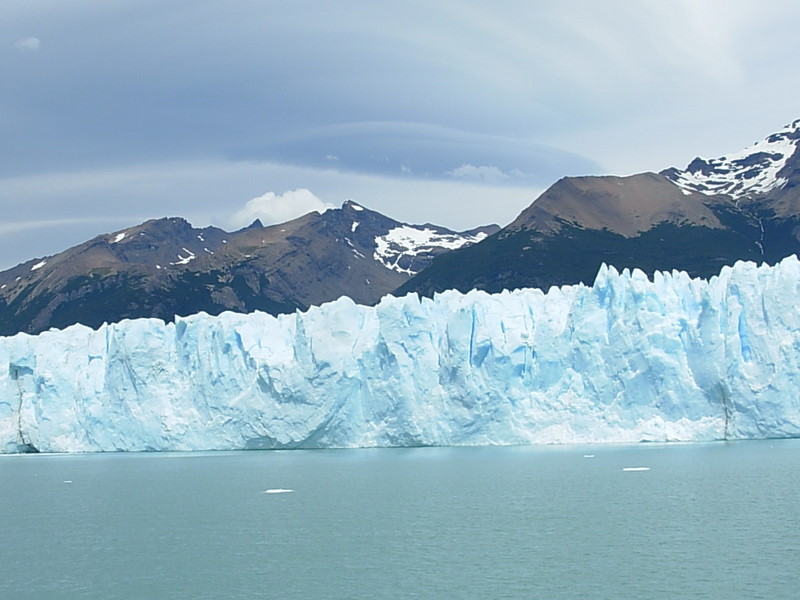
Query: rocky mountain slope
x=166, y=267
x=715, y=212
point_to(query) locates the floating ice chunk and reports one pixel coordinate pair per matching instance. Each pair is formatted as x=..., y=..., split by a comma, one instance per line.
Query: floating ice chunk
x=633, y=469
x=278, y=491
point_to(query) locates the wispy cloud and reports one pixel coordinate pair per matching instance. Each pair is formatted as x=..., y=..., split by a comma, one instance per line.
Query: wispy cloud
x=484, y=173
x=28, y=44
x=14, y=227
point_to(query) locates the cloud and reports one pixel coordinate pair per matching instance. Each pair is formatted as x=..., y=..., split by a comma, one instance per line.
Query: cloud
x=385, y=89
x=273, y=208
x=483, y=173
x=422, y=150
x=30, y=44
x=14, y=227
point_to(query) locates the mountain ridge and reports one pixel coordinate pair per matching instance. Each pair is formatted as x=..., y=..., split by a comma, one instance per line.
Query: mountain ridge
x=165, y=267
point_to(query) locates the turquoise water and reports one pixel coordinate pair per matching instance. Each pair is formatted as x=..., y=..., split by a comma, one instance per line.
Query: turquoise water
x=705, y=521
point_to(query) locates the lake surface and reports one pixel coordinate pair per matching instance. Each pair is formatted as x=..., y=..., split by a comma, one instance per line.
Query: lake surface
x=705, y=521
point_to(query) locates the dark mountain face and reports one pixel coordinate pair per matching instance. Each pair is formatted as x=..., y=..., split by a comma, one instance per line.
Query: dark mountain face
x=145, y=271
x=740, y=207
x=166, y=267
x=568, y=252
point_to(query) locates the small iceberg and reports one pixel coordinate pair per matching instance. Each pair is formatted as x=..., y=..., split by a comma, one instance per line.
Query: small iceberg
x=635, y=468
x=277, y=491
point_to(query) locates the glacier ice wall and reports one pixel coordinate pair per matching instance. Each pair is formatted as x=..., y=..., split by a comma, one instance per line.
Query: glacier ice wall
x=627, y=359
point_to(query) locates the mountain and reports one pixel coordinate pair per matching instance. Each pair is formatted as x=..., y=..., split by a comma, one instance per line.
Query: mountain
x=625, y=360
x=744, y=206
x=763, y=182
x=165, y=267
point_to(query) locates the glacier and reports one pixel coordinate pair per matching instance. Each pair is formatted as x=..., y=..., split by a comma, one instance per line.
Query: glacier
x=627, y=359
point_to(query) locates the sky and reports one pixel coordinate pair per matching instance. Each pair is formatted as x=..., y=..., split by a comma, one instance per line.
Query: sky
x=458, y=113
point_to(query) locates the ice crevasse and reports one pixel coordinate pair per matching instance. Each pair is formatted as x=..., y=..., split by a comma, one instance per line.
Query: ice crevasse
x=627, y=359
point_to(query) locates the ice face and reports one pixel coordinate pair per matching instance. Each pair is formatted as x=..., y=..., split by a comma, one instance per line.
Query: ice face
x=625, y=360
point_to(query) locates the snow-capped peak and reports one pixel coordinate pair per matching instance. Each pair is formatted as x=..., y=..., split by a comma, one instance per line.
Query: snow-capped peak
x=750, y=172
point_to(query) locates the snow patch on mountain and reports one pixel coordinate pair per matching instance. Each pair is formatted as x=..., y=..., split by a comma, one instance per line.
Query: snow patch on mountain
x=185, y=260
x=400, y=245
x=750, y=172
